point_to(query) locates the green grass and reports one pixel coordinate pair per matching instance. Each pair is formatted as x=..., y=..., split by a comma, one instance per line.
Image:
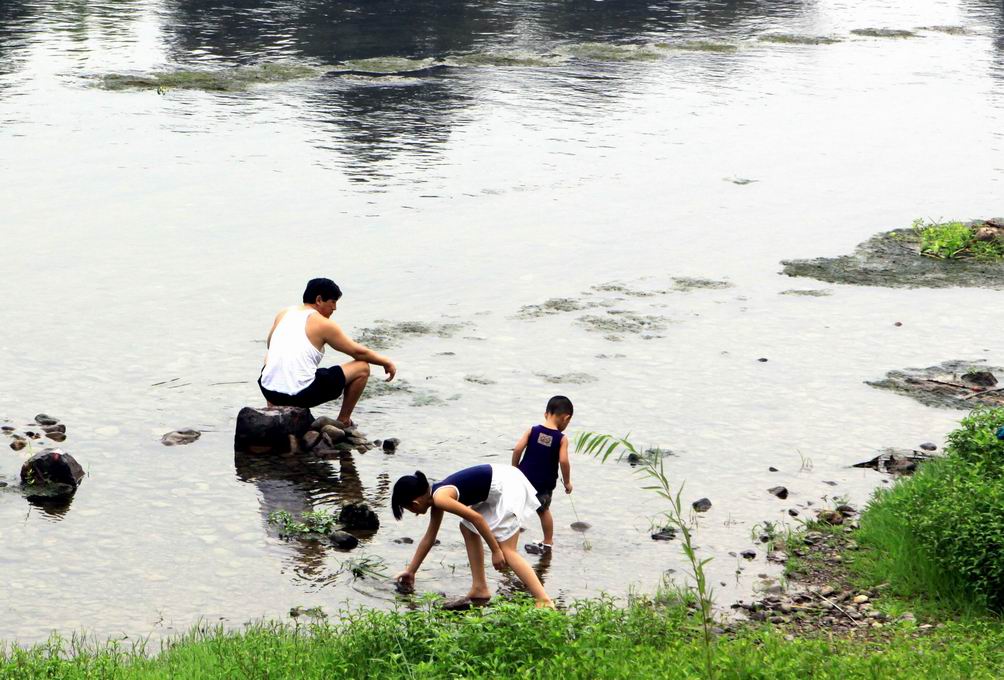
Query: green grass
x=955, y=240
x=597, y=639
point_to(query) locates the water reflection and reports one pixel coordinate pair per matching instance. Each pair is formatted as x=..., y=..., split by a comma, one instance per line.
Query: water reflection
x=299, y=483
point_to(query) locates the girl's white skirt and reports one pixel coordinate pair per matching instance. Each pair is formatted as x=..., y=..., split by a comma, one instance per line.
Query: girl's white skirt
x=511, y=503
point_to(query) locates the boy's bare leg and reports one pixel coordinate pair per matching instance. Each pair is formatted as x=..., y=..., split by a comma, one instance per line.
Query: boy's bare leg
x=476, y=556
x=356, y=375
x=525, y=573
x=547, y=525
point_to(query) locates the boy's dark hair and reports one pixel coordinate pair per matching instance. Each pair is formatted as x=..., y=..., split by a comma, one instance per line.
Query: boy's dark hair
x=559, y=406
x=326, y=288
x=407, y=489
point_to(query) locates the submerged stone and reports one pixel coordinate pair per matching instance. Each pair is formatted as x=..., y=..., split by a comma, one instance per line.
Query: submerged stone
x=343, y=540
x=883, y=32
x=180, y=437
x=892, y=259
x=779, y=491
x=358, y=516
x=702, y=505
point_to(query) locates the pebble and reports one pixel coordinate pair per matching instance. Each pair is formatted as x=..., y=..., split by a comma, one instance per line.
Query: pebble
x=772, y=469
x=580, y=526
x=404, y=540
x=929, y=446
x=748, y=554
x=43, y=419
x=779, y=491
x=793, y=512
x=702, y=505
x=18, y=444
x=762, y=360
x=390, y=445
x=860, y=599
x=56, y=436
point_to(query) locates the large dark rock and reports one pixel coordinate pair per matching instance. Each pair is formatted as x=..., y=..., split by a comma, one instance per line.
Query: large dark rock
x=343, y=540
x=268, y=430
x=358, y=516
x=52, y=468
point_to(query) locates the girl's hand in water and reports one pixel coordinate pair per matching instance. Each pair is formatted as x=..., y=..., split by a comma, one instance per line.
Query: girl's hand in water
x=405, y=578
x=498, y=560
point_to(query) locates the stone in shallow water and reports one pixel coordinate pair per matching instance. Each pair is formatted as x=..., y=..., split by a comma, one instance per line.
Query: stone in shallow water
x=343, y=540
x=43, y=419
x=748, y=554
x=779, y=491
x=580, y=526
x=180, y=437
x=268, y=430
x=390, y=445
x=702, y=505
x=358, y=516
x=52, y=467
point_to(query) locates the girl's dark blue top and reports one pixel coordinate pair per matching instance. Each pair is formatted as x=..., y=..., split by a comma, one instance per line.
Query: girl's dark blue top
x=473, y=484
x=540, y=461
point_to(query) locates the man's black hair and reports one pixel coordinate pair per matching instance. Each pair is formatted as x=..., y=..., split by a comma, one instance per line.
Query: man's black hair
x=407, y=489
x=326, y=288
x=559, y=406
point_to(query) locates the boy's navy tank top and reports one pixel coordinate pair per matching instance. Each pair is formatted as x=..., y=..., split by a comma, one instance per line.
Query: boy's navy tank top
x=473, y=484
x=540, y=461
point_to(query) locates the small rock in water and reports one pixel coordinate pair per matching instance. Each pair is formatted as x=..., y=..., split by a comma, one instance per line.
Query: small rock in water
x=772, y=469
x=664, y=534
x=981, y=378
x=18, y=444
x=929, y=446
x=8, y=428
x=332, y=433
x=793, y=512
x=898, y=323
x=779, y=491
x=831, y=517
x=358, y=516
x=762, y=360
x=343, y=540
x=56, y=436
x=581, y=526
x=180, y=437
x=43, y=419
x=390, y=445
x=846, y=510
x=702, y=505
x=748, y=554
x=404, y=540
x=321, y=421
x=3, y=484
x=829, y=482
x=311, y=439
x=49, y=429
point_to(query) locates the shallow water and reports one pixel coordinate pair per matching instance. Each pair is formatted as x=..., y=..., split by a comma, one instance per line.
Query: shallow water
x=150, y=237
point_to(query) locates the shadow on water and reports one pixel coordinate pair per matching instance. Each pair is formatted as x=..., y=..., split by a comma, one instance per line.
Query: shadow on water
x=300, y=483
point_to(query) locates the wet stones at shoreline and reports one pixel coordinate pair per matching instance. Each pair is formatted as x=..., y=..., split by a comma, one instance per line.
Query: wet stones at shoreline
x=267, y=430
x=44, y=426
x=897, y=462
x=951, y=384
x=893, y=259
x=778, y=491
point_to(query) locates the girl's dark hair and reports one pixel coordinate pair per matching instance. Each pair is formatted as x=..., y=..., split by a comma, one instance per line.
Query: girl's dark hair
x=407, y=489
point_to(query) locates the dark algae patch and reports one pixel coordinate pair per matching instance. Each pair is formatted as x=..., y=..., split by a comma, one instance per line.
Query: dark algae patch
x=795, y=39
x=387, y=334
x=945, y=255
x=952, y=384
x=883, y=32
x=234, y=79
x=700, y=46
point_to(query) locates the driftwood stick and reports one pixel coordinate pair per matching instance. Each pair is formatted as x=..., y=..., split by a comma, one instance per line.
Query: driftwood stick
x=838, y=607
x=982, y=392
x=942, y=382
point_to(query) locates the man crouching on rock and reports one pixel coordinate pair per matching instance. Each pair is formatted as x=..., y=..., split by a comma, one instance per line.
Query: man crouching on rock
x=296, y=346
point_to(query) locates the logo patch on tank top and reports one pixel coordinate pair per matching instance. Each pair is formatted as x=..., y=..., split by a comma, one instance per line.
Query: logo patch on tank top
x=544, y=439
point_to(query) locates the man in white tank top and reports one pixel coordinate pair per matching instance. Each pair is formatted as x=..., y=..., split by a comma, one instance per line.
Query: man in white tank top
x=296, y=345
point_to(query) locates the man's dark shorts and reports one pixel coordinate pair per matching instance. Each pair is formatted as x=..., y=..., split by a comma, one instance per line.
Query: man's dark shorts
x=328, y=385
x=545, y=502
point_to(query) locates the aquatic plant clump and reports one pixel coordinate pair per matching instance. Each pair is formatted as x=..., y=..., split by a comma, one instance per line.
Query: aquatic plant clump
x=319, y=522
x=387, y=334
x=794, y=39
x=617, y=321
x=699, y=46
x=883, y=32
x=235, y=79
x=971, y=257
x=597, y=51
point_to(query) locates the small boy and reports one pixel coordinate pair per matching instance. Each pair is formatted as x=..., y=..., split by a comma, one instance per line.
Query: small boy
x=538, y=453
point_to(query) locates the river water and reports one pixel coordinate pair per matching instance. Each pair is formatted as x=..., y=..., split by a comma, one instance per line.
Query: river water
x=563, y=150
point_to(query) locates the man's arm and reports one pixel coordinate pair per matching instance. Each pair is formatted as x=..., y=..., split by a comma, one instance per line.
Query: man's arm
x=566, y=465
x=517, y=451
x=334, y=336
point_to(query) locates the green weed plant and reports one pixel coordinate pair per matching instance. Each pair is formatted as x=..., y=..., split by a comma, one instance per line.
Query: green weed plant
x=955, y=240
x=940, y=533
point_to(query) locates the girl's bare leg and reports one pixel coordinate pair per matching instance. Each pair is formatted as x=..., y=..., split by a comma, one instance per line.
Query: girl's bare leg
x=476, y=556
x=524, y=571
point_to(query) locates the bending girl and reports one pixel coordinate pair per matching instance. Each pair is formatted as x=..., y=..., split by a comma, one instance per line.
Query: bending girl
x=492, y=501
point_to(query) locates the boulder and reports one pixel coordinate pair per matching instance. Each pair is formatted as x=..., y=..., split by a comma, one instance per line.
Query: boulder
x=268, y=430
x=779, y=491
x=179, y=437
x=702, y=505
x=54, y=468
x=343, y=540
x=981, y=378
x=358, y=516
